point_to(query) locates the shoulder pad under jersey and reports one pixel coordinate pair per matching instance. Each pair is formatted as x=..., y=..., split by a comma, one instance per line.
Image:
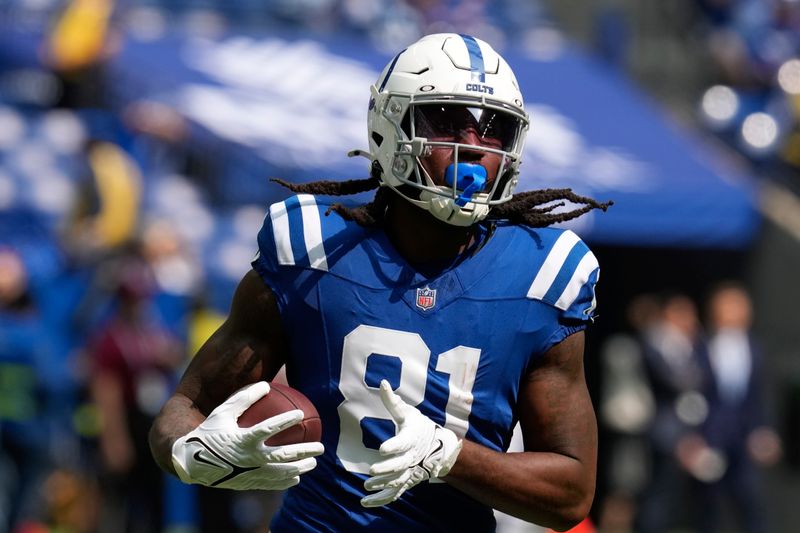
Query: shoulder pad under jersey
x=296, y=233
x=566, y=273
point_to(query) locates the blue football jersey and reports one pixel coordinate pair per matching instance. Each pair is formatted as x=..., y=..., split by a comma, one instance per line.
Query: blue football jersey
x=455, y=345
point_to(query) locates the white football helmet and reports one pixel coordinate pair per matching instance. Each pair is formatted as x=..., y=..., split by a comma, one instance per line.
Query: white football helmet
x=423, y=100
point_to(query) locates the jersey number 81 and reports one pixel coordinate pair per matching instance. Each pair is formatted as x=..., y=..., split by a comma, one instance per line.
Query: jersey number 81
x=362, y=400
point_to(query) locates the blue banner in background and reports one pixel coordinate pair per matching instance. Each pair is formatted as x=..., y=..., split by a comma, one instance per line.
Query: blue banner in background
x=299, y=104
x=592, y=131
x=291, y=106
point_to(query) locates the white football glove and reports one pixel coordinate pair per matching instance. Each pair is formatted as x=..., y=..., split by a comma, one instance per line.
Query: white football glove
x=218, y=453
x=421, y=450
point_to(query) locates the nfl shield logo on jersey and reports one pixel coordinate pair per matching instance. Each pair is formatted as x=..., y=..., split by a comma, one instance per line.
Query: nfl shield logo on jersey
x=426, y=298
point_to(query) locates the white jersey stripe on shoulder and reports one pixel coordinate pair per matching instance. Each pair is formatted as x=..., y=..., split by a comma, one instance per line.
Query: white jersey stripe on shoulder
x=280, y=232
x=552, y=265
x=579, y=278
x=312, y=232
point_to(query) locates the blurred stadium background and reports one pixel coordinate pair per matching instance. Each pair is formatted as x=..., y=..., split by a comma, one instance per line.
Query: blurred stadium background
x=144, y=132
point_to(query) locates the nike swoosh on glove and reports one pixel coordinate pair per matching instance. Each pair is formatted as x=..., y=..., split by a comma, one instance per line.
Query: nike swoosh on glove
x=421, y=450
x=218, y=453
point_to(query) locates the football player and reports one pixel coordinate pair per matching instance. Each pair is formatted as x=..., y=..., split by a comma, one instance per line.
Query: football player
x=423, y=326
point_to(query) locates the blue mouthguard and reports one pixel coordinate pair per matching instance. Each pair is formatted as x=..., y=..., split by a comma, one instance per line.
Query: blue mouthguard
x=470, y=179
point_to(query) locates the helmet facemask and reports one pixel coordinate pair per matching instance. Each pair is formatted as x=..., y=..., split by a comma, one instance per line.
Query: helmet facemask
x=448, y=94
x=467, y=190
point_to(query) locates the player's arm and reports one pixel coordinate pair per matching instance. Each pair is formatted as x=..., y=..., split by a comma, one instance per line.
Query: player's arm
x=551, y=483
x=248, y=349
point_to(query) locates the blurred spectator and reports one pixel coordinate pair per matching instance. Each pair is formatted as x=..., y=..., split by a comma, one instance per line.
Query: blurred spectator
x=626, y=409
x=750, y=39
x=70, y=503
x=102, y=226
x=736, y=423
x=174, y=269
x=24, y=457
x=165, y=146
x=203, y=321
x=673, y=364
x=106, y=212
x=156, y=119
x=134, y=359
x=77, y=46
x=754, y=46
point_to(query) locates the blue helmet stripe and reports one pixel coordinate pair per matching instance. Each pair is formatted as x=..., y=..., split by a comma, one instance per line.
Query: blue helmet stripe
x=475, y=58
x=389, y=72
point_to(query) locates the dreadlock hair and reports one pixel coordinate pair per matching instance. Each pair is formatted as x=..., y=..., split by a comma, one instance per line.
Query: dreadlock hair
x=531, y=208
x=368, y=215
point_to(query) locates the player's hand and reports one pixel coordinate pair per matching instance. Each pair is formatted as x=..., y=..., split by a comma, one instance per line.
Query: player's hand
x=218, y=453
x=420, y=451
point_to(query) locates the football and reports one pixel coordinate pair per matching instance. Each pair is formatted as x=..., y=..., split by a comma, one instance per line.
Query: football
x=279, y=399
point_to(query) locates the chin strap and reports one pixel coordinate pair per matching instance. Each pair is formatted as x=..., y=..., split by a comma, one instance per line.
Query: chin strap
x=470, y=178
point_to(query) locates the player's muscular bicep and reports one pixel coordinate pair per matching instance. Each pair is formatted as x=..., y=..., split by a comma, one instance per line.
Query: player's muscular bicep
x=556, y=413
x=249, y=346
